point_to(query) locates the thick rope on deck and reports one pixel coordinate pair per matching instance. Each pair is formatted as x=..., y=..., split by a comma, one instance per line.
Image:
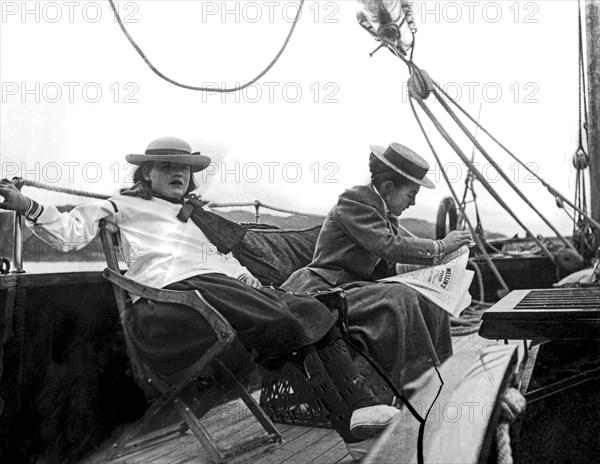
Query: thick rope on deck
x=469, y=320
x=512, y=405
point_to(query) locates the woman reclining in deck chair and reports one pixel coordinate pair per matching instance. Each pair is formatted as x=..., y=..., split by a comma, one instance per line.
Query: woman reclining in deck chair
x=404, y=332
x=167, y=250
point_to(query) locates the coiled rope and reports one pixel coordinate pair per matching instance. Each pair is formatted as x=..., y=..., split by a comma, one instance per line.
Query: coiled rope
x=207, y=89
x=512, y=405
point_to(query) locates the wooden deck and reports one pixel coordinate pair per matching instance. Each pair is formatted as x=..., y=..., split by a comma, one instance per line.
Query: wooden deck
x=301, y=445
x=229, y=423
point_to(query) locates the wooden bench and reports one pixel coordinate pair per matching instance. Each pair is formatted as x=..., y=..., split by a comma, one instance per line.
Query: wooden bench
x=462, y=420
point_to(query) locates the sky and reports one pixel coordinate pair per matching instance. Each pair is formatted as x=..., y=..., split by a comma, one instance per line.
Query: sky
x=76, y=97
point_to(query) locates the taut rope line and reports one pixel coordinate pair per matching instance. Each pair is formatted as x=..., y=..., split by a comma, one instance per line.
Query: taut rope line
x=81, y=193
x=480, y=177
x=551, y=189
x=496, y=165
x=474, y=235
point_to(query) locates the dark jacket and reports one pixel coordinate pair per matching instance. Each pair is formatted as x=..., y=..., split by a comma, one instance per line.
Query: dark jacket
x=355, y=236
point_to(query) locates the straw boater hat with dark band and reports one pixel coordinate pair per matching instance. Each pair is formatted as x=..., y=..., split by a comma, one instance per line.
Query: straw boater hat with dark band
x=171, y=150
x=405, y=162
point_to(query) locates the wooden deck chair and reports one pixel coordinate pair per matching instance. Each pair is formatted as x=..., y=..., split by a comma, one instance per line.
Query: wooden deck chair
x=171, y=392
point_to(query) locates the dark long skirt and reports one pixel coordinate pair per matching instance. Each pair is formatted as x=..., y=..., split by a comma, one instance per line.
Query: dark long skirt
x=404, y=332
x=398, y=327
x=171, y=337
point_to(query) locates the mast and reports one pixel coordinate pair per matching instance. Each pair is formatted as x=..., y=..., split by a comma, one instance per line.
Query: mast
x=592, y=14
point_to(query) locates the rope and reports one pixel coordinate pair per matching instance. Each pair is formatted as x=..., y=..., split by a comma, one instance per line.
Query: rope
x=582, y=84
x=469, y=320
x=470, y=187
x=421, y=420
x=499, y=170
x=552, y=191
x=512, y=405
x=264, y=205
x=479, y=276
x=453, y=192
x=207, y=89
x=477, y=173
x=53, y=188
x=581, y=159
x=81, y=193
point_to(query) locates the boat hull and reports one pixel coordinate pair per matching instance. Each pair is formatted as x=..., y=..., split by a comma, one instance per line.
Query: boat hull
x=66, y=380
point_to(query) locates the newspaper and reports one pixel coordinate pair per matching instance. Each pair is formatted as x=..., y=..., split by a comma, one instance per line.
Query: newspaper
x=446, y=285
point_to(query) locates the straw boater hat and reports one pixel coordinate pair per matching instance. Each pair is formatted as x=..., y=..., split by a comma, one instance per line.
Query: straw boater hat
x=405, y=162
x=172, y=150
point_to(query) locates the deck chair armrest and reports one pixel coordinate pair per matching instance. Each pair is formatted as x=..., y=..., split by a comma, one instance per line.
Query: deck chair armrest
x=223, y=330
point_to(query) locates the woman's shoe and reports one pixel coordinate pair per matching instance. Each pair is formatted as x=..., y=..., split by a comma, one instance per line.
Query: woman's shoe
x=371, y=421
x=360, y=449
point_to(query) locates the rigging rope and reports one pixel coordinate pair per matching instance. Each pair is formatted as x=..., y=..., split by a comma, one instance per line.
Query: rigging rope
x=478, y=174
x=53, y=188
x=551, y=189
x=500, y=171
x=480, y=244
x=208, y=89
x=82, y=193
x=583, y=235
x=420, y=86
x=470, y=187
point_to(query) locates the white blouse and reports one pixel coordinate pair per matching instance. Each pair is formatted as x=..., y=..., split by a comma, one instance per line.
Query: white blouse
x=159, y=249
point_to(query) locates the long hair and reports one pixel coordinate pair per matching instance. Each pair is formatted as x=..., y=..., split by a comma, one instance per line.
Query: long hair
x=142, y=188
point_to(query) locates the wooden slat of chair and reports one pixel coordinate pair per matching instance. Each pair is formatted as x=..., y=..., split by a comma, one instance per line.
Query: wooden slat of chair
x=170, y=391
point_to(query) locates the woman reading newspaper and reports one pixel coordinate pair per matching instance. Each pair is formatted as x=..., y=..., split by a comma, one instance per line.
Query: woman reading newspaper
x=393, y=323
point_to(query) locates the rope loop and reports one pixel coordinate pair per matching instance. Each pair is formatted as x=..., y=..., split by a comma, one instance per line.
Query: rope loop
x=512, y=405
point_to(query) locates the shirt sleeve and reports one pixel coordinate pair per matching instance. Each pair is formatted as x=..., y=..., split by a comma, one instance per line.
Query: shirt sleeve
x=72, y=230
x=360, y=218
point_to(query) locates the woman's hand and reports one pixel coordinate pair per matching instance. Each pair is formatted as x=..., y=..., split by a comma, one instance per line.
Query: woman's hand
x=250, y=281
x=455, y=239
x=14, y=200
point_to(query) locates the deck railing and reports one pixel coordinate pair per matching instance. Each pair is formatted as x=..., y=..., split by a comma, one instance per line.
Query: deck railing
x=18, y=217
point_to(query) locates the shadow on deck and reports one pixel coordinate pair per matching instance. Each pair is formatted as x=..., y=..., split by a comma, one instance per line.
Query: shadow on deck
x=230, y=421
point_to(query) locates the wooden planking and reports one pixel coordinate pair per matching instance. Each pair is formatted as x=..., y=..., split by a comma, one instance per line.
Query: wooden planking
x=301, y=444
x=315, y=450
x=295, y=446
x=186, y=448
x=337, y=454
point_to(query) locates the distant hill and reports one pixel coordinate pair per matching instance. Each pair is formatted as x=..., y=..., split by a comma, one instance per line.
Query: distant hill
x=36, y=250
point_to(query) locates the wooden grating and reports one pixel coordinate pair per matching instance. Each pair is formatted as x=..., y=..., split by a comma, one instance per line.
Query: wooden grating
x=558, y=299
